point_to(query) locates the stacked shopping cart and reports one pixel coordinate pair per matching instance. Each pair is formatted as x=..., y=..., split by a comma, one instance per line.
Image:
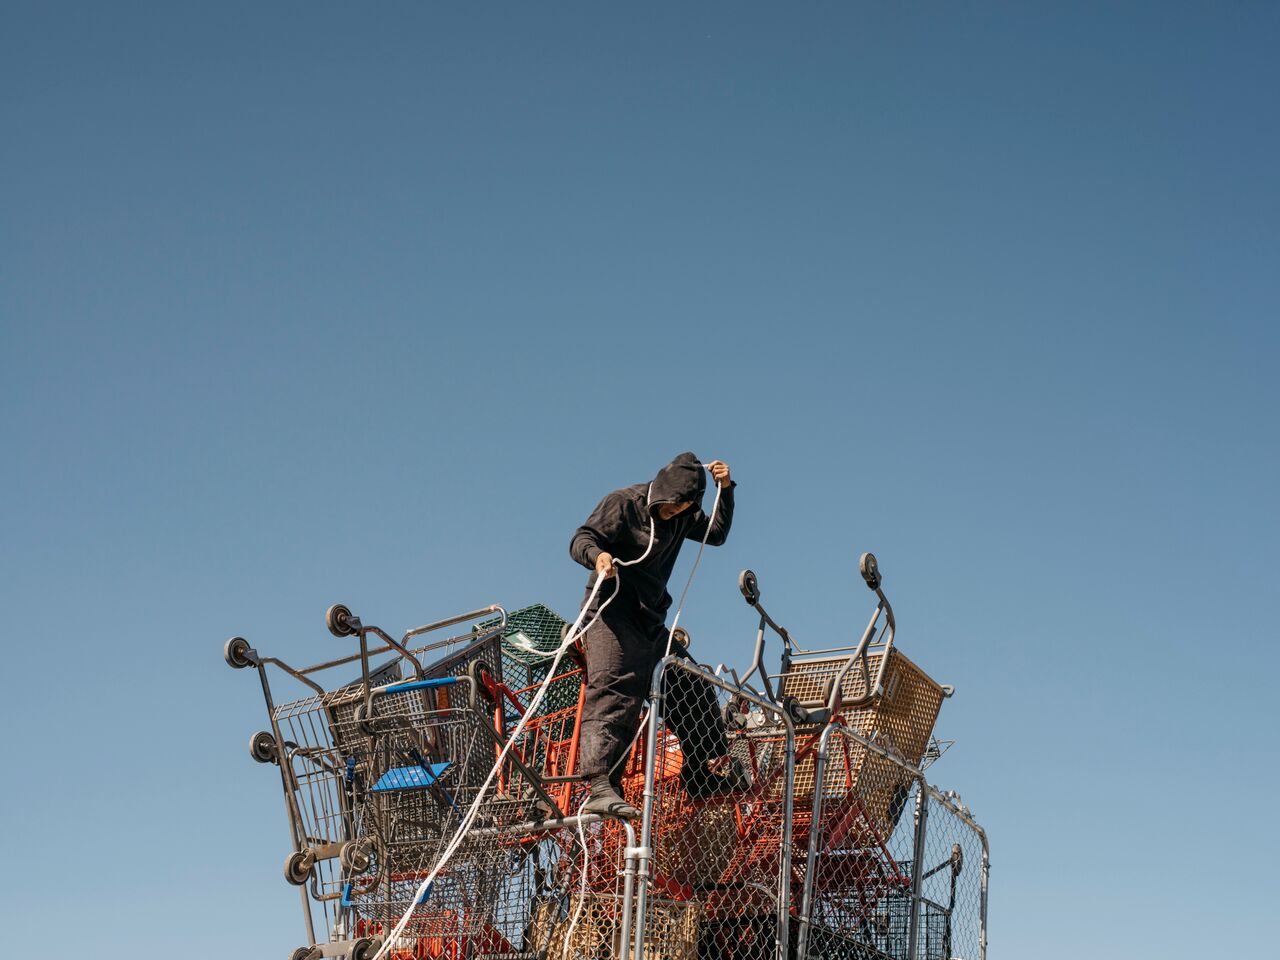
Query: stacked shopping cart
x=828, y=843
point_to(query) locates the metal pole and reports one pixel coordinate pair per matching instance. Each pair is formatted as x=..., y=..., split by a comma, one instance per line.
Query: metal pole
x=811, y=859
x=784, y=872
x=628, y=890
x=982, y=900
x=917, y=869
x=645, y=853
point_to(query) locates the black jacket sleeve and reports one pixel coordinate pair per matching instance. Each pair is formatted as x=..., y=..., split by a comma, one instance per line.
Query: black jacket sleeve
x=600, y=532
x=724, y=520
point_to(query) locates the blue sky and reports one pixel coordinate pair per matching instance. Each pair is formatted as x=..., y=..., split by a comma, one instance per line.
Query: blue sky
x=312, y=303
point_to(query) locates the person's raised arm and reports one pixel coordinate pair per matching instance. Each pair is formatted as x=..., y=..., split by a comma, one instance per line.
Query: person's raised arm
x=724, y=513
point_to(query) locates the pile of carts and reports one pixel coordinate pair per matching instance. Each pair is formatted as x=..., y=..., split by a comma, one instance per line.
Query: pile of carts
x=831, y=843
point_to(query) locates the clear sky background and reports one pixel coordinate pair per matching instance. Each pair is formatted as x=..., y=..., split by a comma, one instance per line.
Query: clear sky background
x=305, y=303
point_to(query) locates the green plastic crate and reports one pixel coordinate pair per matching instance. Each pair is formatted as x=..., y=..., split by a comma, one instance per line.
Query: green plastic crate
x=528, y=647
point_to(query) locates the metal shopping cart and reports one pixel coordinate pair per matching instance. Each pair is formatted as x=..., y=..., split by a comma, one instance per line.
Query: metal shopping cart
x=828, y=842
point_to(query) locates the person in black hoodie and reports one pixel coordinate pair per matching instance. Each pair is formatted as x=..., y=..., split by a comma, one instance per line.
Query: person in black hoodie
x=626, y=643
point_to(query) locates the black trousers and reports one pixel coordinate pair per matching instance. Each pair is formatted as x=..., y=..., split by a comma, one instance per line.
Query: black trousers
x=621, y=654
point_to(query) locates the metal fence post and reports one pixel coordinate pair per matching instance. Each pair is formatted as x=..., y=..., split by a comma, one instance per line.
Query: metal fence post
x=784, y=872
x=982, y=909
x=811, y=859
x=917, y=868
x=644, y=856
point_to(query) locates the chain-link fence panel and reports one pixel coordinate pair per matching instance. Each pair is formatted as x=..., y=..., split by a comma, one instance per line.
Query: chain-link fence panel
x=859, y=837
x=715, y=780
x=953, y=868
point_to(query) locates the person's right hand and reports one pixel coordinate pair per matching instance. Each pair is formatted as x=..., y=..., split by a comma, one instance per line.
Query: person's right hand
x=604, y=566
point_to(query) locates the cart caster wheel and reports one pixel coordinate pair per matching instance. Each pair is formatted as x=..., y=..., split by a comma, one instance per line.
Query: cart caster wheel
x=735, y=715
x=481, y=676
x=681, y=636
x=354, y=856
x=236, y=653
x=957, y=859
x=749, y=586
x=338, y=619
x=362, y=721
x=297, y=867
x=262, y=747
x=870, y=570
x=365, y=948
x=302, y=953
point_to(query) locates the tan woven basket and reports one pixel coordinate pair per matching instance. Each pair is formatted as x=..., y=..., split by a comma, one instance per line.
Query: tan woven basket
x=671, y=929
x=900, y=720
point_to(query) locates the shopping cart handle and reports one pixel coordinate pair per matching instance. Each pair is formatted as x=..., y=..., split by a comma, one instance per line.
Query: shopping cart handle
x=428, y=684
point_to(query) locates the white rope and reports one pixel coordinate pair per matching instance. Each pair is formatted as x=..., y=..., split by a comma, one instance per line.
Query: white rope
x=569, y=639
x=582, y=883
x=675, y=621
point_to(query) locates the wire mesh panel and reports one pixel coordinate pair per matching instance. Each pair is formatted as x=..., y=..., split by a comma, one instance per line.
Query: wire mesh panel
x=719, y=818
x=859, y=848
x=953, y=868
x=425, y=770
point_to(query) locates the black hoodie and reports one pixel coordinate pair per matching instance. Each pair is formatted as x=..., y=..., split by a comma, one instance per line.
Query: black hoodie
x=620, y=525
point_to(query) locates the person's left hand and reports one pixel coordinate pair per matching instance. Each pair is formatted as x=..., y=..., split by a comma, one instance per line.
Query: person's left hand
x=720, y=472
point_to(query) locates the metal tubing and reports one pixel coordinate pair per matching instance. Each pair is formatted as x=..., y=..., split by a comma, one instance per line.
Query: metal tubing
x=784, y=869
x=835, y=701
x=917, y=870
x=462, y=618
x=296, y=674
x=646, y=821
x=811, y=858
x=982, y=901
x=757, y=657
x=541, y=826
x=398, y=647
x=628, y=890
x=374, y=651
x=285, y=764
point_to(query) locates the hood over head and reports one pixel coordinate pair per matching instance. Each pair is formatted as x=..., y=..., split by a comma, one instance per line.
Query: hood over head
x=683, y=479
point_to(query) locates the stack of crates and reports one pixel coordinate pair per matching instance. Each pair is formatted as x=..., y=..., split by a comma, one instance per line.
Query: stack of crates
x=528, y=647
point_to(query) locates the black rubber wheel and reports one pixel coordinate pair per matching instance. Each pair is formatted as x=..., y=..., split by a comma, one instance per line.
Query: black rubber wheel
x=477, y=670
x=302, y=953
x=749, y=586
x=354, y=857
x=338, y=619
x=870, y=570
x=365, y=948
x=236, y=653
x=297, y=868
x=262, y=747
